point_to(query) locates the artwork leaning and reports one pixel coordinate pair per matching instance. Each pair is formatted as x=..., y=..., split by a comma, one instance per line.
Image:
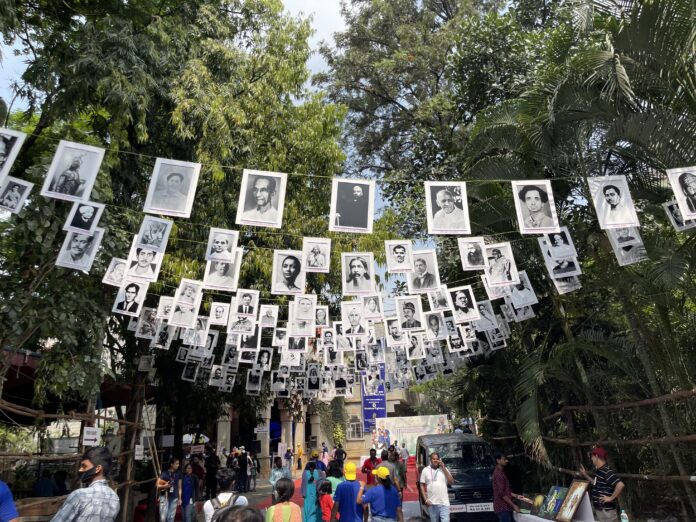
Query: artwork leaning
x=572, y=500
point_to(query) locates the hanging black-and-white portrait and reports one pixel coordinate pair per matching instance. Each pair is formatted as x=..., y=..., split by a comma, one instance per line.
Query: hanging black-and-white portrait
x=352, y=205
x=502, y=269
x=676, y=217
x=73, y=171
x=495, y=292
x=316, y=253
x=373, y=307
x=147, y=324
x=683, y=182
x=628, y=254
x=10, y=143
x=115, y=273
x=196, y=336
x=268, y=316
x=561, y=267
x=223, y=275
x=130, y=298
x=261, y=198
x=288, y=276
x=182, y=354
x=625, y=236
x=560, y=244
x=321, y=316
x=240, y=324
x=358, y=277
x=222, y=245
x=565, y=285
x=394, y=334
x=435, y=326
x=522, y=294
x=439, y=299
x=219, y=313
x=464, y=304
x=414, y=348
x=154, y=233
x=303, y=309
x=190, y=371
x=13, y=194
x=410, y=312
x=447, y=207
x=172, y=188
x=79, y=250
x=280, y=338
x=84, y=217
x=164, y=336
x=486, y=320
x=164, y=307
x=399, y=256
x=425, y=275
x=612, y=201
x=353, y=319
x=535, y=206
x=264, y=359
x=217, y=376
x=187, y=300
x=143, y=264
x=472, y=252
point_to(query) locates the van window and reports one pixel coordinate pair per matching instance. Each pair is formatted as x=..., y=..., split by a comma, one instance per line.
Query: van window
x=459, y=455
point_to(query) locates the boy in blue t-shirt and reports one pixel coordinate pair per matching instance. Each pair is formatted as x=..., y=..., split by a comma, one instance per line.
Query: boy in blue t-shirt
x=345, y=497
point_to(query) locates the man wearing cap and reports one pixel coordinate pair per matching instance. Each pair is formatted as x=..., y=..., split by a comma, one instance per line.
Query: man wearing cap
x=606, y=487
x=408, y=311
x=369, y=465
x=434, y=480
x=315, y=458
x=345, y=496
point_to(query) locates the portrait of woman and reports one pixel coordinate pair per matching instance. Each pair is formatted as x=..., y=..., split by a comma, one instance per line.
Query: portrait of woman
x=288, y=277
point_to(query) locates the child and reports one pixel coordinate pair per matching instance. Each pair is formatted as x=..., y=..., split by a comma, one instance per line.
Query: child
x=326, y=501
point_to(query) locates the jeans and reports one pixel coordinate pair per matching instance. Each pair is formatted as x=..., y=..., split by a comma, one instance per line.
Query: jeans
x=505, y=516
x=439, y=513
x=609, y=515
x=188, y=513
x=171, y=510
x=375, y=518
x=242, y=479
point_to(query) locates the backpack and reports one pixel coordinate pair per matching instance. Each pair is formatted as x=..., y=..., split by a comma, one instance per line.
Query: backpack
x=220, y=509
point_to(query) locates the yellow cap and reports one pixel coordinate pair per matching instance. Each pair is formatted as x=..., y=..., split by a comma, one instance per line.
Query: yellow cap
x=315, y=453
x=349, y=470
x=382, y=472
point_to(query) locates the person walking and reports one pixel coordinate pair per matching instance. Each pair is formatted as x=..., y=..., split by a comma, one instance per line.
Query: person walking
x=278, y=472
x=345, y=505
x=254, y=470
x=283, y=509
x=299, y=453
x=326, y=502
x=8, y=510
x=371, y=463
x=242, y=473
x=96, y=502
x=212, y=464
x=383, y=499
x=340, y=454
x=309, y=493
x=503, y=506
x=168, y=487
x=434, y=480
x=606, y=487
x=188, y=493
x=227, y=498
x=404, y=452
x=335, y=474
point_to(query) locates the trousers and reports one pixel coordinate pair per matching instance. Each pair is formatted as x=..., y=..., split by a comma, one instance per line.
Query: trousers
x=439, y=513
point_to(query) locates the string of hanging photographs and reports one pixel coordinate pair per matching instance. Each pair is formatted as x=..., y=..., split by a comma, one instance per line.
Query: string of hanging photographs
x=321, y=358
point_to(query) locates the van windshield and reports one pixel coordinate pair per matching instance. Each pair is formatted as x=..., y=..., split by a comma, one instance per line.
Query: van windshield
x=458, y=455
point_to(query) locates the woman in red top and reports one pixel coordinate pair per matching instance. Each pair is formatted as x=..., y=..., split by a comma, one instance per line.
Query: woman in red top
x=326, y=502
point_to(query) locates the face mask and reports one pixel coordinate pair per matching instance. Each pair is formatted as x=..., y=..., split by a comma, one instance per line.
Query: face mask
x=87, y=476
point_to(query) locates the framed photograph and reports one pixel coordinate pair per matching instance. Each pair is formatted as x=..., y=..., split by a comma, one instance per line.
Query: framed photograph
x=435, y=326
x=73, y=171
x=217, y=376
x=280, y=338
x=268, y=316
x=353, y=319
x=172, y=188
x=261, y=198
x=13, y=194
x=535, y=206
x=561, y=244
x=10, y=143
x=288, y=277
x=130, y=298
x=502, y=269
x=147, y=324
x=396, y=337
x=464, y=304
x=182, y=354
x=683, y=183
x=613, y=203
x=399, y=254
x=676, y=217
x=487, y=319
x=219, y=313
x=115, y=273
x=439, y=300
x=164, y=307
x=222, y=244
x=223, y=275
x=264, y=359
x=572, y=500
x=352, y=205
x=358, y=276
x=316, y=252
x=373, y=308
x=143, y=264
x=426, y=275
x=447, y=208
x=410, y=312
x=624, y=236
x=79, y=250
x=628, y=254
x=154, y=233
x=522, y=294
x=415, y=348
x=321, y=316
x=553, y=501
x=187, y=301
x=84, y=217
x=564, y=267
x=190, y=371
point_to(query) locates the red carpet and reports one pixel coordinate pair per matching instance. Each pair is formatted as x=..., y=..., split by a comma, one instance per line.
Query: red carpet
x=408, y=495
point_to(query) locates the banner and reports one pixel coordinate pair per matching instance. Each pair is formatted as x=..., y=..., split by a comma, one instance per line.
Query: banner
x=374, y=398
x=408, y=429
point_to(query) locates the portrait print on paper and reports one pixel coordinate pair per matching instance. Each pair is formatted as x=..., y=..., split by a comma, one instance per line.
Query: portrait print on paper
x=303, y=309
x=261, y=198
x=410, y=312
x=676, y=218
x=316, y=254
x=223, y=275
x=399, y=256
x=522, y=294
x=79, y=250
x=487, y=319
x=164, y=307
x=268, y=316
x=535, y=206
x=395, y=335
x=464, y=304
x=147, y=324
x=565, y=285
x=353, y=320
x=321, y=316
x=561, y=244
x=472, y=252
x=628, y=254
x=219, y=313
x=425, y=275
x=190, y=371
x=10, y=143
x=613, y=203
x=358, y=276
x=625, y=236
x=13, y=194
x=187, y=300
x=84, y=217
x=143, y=264
x=73, y=171
x=130, y=298
x=561, y=267
x=435, y=326
x=495, y=292
x=352, y=205
x=502, y=269
x=221, y=244
x=172, y=188
x=447, y=208
x=373, y=307
x=439, y=299
x=115, y=272
x=683, y=183
x=154, y=233
x=288, y=276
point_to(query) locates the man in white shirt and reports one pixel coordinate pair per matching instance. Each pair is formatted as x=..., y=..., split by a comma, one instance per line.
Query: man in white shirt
x=226, y=498
x=434, y=480
x=449, y=217
x=263, y=191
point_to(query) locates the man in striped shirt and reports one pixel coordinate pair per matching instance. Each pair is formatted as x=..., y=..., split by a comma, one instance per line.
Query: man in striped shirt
x=606, y=487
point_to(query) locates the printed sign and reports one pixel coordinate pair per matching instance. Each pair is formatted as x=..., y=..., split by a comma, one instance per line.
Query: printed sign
x=91, y=436
x=139, y=452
